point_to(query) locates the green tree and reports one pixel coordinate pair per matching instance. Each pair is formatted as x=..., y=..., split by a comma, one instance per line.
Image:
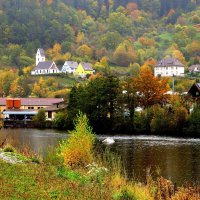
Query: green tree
x=39, y=120
x=97, y=99
x=193, y=121
x=121, y=23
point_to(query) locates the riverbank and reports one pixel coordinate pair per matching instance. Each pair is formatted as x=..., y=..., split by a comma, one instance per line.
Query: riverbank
x=50, y=180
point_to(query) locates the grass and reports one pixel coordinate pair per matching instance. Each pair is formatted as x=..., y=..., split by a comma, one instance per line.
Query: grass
x=103, y=179
x=55, y=181
x=43, y=182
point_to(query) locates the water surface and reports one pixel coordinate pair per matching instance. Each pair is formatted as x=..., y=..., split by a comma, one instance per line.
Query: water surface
x=177, y=159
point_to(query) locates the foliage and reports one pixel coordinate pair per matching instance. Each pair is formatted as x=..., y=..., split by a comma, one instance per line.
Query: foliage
x=61, y=120
x=97, y=99
x=40, y=119
x=77, y=150
x=193, y=122
x=151, y=90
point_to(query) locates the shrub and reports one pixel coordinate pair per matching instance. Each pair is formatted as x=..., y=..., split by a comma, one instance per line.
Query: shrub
x=9, y=148
x=40, y=119
x=77, y=150
x=193, y=121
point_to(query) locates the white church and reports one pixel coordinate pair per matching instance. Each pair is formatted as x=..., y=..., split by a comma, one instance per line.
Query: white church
x=42, y=66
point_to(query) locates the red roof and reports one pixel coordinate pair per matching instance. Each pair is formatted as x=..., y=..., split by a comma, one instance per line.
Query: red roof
x=35, y=101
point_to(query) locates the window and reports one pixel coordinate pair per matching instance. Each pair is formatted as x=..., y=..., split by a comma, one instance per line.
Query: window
x=49, y=114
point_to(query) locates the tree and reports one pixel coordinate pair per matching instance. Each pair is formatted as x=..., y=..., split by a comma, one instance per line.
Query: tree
x=119, y=22
x=40, y=119
x=97, y=99
x=16, y=90
x=84, y=50
x=193, y=121
x=111, y=40
x=77, y=150
x=150, y=90
x=124, y=54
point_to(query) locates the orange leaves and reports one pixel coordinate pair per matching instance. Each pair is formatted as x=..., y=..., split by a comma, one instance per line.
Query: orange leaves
x=151, y=90
x=147, y=41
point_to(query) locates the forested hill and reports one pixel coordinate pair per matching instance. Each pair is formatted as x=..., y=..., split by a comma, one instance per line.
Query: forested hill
x=122, y=31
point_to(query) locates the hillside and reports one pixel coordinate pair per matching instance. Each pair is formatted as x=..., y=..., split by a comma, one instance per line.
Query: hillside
x=89, y=30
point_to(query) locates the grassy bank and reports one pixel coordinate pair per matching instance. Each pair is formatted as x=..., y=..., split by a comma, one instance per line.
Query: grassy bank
x=75, y=171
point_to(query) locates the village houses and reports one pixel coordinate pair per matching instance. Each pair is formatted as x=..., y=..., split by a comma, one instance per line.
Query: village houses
x=169, y=67
x=44, y=67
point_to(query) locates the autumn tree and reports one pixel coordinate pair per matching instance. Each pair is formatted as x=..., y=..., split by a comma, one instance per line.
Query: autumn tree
x=150, y=90
x=16, y=90
x=124, y=54
x=84, y=50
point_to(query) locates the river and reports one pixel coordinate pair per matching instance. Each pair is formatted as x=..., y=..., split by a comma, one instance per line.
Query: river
x=177, y=159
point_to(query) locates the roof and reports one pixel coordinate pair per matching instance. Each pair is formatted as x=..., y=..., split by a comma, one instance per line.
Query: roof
x=35, y=101
x=71, y=64
x=54, y=108
x=193, y=67
x=41, y=52
x=87, y=66
x=195, y=87
x=168, y=62
x=44, y=65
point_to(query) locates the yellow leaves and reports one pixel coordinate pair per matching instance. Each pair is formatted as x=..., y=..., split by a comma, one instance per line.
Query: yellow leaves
x=80, y=38
x=84, y=50
x=55, y=51
x=16, y=90
x=27, y=70
x=77, y=149
x=45, y=87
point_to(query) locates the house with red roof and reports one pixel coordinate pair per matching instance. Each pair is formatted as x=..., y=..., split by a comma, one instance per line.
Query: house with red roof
x=23, y=109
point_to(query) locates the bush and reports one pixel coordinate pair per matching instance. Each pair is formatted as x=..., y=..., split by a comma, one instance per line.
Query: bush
x=77, y=150
x=61, y=121
x=193, y=121
x=9, y=148
x=40, y=119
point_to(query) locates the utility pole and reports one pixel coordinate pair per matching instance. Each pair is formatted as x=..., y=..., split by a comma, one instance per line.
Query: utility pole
x=173, y=84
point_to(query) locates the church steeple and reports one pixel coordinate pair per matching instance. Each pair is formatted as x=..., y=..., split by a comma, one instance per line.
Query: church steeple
x=40, y=56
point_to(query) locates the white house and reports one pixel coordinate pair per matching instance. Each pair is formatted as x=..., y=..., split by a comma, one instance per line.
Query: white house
x=194, y=69
x=47, y=67
x=69, y=67
x=169, y=67
x=40, y=56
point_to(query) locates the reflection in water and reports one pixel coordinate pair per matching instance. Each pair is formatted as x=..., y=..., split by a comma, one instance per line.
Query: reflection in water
x=177, y=159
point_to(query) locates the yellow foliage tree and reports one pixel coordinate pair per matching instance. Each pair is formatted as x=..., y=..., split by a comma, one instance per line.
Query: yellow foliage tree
x=84, y=50
x=77, y=150
x=80, y=38
x=15, y=89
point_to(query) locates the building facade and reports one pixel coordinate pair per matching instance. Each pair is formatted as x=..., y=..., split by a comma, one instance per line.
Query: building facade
x=169, y=67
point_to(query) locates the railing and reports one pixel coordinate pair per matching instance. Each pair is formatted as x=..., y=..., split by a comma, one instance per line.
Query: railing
x=17, y=123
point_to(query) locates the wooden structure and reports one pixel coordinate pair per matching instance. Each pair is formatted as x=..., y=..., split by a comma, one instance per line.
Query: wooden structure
x=194, y=91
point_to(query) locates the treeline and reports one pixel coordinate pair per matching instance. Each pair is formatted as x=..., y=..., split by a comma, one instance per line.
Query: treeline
x=88, y=30
x=135, y=105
